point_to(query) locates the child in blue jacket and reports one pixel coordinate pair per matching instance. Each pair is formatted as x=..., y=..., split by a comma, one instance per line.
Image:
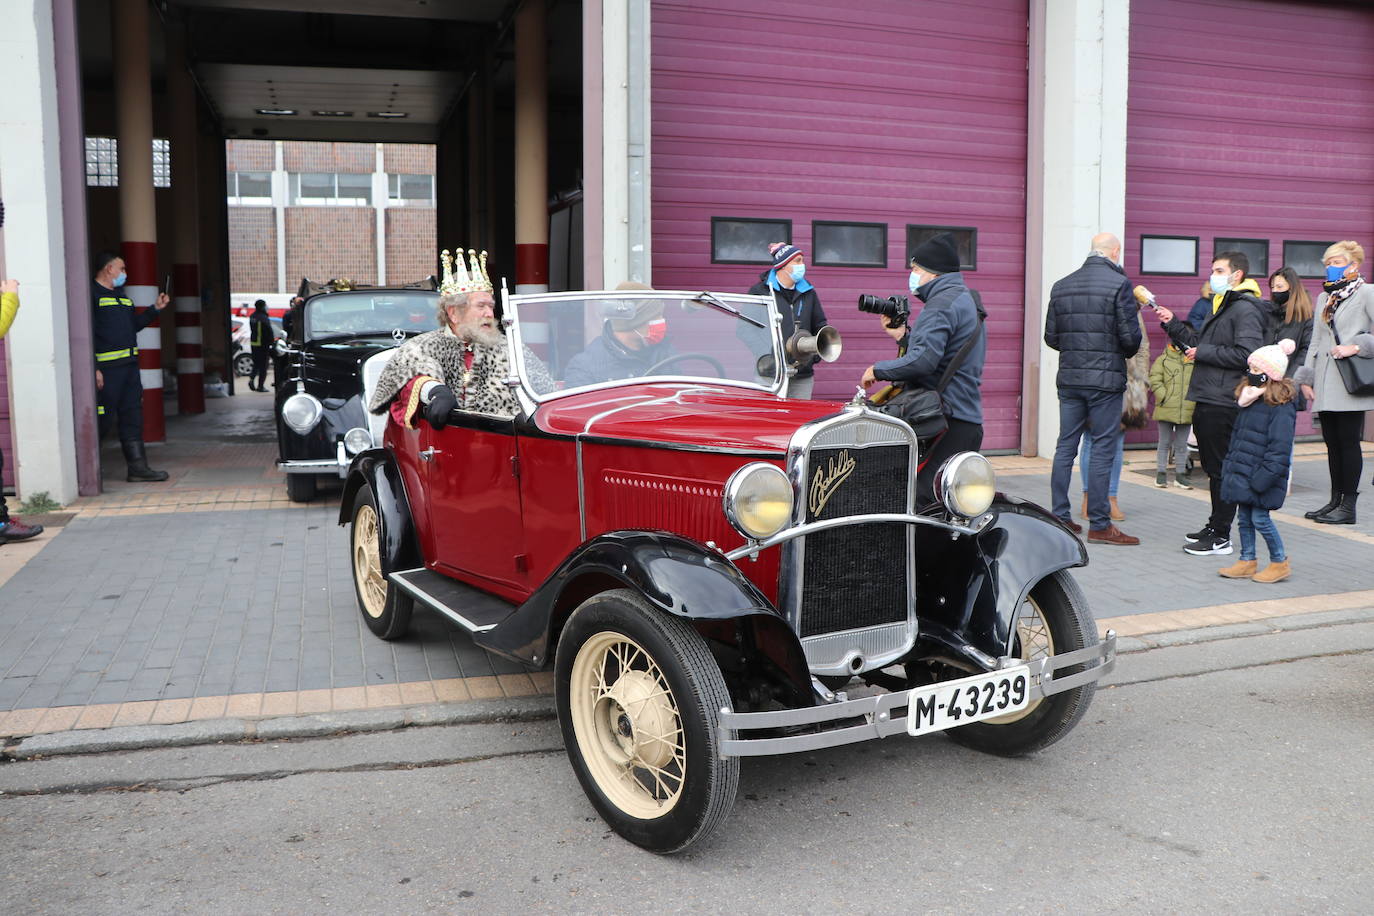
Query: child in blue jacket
x=1254, y=475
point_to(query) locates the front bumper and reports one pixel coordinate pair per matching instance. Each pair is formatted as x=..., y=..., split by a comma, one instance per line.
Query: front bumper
x=338, y=465
x=863, y=719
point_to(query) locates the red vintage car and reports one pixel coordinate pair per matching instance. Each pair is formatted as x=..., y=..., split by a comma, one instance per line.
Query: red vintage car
x=713, y=570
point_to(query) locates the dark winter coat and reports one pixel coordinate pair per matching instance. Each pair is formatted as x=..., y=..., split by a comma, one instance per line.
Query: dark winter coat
x=115, y=325
x=1169, y=378
x=1255, y=472
x=1300, y=332
x=1224, y=345
x=799, y=306
x=607, y=359
x=261, y=337
x=945, y=324
x=1091, y=321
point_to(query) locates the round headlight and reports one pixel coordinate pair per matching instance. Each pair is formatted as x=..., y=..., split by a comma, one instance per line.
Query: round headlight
x=758, y=500
x=301, y=412
x=357, y=439
x=966, y=484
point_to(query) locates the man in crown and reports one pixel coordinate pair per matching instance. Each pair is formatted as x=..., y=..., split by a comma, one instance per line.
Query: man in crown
x=463, y=364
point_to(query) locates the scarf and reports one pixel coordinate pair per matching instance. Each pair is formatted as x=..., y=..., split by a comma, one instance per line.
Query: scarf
x=1338, y=292
x=1248, y=395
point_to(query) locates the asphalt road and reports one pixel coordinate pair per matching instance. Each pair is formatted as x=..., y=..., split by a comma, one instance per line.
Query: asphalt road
x=1229, y=776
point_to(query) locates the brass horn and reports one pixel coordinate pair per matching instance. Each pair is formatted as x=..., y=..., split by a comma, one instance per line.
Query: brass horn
x=825, y=343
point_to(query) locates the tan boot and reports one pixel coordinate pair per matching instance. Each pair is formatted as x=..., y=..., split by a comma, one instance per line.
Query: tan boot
x=1274, y=572
x=1117, y=514
x=1241, y=569
x=1083, y=513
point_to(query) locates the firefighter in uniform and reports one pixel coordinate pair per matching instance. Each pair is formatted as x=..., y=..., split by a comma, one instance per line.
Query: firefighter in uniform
x=115, y=326
x=262, y=339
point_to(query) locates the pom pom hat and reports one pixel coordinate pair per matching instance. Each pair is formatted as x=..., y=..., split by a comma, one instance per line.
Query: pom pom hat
x=1273, y=359
x=783, y=252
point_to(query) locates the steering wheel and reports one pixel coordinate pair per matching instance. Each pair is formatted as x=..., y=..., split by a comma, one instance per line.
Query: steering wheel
x=679, y=357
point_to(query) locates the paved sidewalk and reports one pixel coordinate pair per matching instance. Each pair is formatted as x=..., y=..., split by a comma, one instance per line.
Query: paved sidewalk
x=212, y=597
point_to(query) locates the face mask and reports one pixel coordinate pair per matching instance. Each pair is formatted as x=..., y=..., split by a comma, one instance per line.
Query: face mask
x=1256, y=379
x=1281, y=298
x=798, y=272
x=121, y=279
x=1335, y=274
x=1220, y=283
x=913, y=282
x=655, y=331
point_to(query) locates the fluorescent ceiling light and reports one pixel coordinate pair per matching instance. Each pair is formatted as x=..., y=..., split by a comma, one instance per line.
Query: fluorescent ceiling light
x=332, y=114
x=388, y=114
x=279, y=112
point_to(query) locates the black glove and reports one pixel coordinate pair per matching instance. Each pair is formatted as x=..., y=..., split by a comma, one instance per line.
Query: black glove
x=441, y=404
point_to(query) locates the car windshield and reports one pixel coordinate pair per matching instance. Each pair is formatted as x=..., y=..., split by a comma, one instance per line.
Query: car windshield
x=370, y=312
x=589, y=339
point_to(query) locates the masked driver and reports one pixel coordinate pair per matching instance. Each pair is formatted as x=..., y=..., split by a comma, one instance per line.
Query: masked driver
x=633, y=340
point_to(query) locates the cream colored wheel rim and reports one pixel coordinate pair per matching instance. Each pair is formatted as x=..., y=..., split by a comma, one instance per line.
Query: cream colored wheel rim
x=628, y=729
x=1033, y=632
x=367, y=563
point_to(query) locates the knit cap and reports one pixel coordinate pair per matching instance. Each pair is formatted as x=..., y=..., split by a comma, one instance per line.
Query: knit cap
x=783, y=252
x=1273, y=359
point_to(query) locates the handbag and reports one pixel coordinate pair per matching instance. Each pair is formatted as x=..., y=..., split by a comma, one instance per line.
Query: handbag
x=923, y=409
x=1357, y=372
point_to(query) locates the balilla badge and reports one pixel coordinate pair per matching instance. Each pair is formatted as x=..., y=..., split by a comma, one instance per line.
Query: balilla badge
x=828, y=479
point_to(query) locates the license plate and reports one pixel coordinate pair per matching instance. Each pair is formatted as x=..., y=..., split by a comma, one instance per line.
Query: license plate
x=970, y=699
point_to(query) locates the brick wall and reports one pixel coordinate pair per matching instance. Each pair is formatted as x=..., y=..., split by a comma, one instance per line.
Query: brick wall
x=328, y=242
x=411, y=252
x=329, y=157
x=252, y=250
x=250, y=155
x=408, y=158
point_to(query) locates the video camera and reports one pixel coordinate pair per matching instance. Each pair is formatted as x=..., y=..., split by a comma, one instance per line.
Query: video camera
x=895, y=309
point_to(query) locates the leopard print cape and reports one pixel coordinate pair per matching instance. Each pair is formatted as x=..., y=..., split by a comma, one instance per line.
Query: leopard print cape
x=439, y=354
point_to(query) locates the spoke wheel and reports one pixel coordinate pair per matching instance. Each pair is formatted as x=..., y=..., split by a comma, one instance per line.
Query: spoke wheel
x=385, y=609
x=1054, y=619
x=638, y=695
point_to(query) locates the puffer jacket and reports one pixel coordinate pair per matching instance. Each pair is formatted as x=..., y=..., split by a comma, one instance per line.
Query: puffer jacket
x=1234, y=331
x=1354, y=319
x=9, y=307
x=1091, y=321
x=1255, y=472
x=1169, y=378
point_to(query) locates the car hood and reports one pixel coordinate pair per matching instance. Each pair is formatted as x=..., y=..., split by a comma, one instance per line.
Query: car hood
x=689, y=416
x=335, y=364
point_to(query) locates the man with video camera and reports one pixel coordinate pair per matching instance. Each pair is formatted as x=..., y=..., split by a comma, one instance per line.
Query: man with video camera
x=950, y=325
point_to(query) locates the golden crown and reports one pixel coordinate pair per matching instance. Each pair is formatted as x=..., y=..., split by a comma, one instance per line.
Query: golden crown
x=460, y=277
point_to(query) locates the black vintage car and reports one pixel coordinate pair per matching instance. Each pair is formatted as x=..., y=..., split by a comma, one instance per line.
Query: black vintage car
x=322, y=421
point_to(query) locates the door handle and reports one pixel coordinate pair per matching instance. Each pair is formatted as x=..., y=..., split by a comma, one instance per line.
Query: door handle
x=429, y=453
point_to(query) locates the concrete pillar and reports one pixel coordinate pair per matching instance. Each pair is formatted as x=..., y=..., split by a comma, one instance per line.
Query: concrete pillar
x=185, y=292
x=380, y=195
x=137, y=213
x=32, y=174
x=531, y=151
x=1076, y=182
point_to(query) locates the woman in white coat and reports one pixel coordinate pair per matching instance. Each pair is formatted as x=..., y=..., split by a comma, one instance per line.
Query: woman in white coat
x=1347, y=305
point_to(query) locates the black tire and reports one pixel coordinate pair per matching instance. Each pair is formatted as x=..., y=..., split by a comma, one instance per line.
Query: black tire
x=670, y=686
x=385, y=608
x=1060, y=604
x=300, y=488
x=243, y=364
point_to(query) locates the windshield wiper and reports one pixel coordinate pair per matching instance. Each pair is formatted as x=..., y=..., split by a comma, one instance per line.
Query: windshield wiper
x=713, y=302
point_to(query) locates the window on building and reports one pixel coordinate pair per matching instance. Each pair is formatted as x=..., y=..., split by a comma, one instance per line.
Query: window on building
x=329, y=189
x=848, y=244
x=1306, y=258
x=410, y=190
x=1169, y=255
x=102, y=163
x=742, y=240
x=1255, y=250
x=250, y=189
x=965, y=240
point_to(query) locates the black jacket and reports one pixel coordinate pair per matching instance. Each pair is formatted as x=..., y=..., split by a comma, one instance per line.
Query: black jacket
x=1224, y=345
x=1092, y=322
x=799, y=305
x=1255, y=472
x=261, y=337
x=945, y=324
x=607, y=359
x=115, y=326
x=1300, y=332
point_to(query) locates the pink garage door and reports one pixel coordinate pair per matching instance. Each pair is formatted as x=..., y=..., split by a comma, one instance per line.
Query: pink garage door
x=896, y=113
x=1271, y=140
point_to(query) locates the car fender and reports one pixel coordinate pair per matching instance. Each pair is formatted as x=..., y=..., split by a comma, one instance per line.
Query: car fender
x=676, y=575
x=377, y=468
x=969, y=589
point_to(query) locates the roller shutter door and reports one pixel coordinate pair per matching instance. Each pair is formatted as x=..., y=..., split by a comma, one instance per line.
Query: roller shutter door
x=895, y=113
x=1271, y=138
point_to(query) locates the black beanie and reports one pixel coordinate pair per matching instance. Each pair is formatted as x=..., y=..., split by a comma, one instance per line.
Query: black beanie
x=937, y=253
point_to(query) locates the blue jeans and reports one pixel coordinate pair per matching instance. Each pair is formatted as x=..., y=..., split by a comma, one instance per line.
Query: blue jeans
x=1085, y=453
x=1098, y=413
x=1250, y=519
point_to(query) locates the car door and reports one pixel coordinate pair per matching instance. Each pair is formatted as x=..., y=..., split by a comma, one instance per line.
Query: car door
x=474, y=498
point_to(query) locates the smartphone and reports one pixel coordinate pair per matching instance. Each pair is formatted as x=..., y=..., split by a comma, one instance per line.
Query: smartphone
x=167, y=286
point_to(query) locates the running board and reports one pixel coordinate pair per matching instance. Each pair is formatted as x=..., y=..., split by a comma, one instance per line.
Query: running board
x=473, y=610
